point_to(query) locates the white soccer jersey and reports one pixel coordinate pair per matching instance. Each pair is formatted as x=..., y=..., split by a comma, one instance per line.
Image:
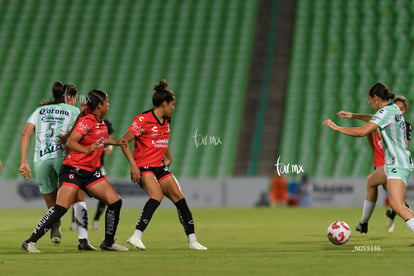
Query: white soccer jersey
x=50, y=121
x=393, y=136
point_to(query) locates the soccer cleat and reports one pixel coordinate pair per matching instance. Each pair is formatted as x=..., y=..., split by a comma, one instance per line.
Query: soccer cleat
x=390, y=214
x=85, y=245
x=362, y=227
x=96, y=225
x=113, y=247
x=196, y=246
x=136, y=242
x=390, y=225
x=30, y=247
x=55, y=234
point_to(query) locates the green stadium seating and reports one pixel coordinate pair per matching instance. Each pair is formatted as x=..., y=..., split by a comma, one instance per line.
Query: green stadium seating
x=340, y=48
x=125, y=47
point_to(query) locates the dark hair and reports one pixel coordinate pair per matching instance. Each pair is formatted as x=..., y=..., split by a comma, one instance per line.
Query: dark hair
x=382, y=91
x=162, y=94
x=57, y=91
x=60, y=91
x=93, y=98
x=69, y=90
x=400, y=98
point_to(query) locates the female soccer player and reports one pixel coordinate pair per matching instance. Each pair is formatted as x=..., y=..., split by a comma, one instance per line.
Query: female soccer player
x=151, y=131
x=377, y=177
x=80, y=170
x=100, y=208
x=398, y=161
x=48, y=122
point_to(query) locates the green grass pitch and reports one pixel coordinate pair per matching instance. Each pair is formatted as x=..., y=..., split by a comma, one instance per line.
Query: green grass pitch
x=245, y=241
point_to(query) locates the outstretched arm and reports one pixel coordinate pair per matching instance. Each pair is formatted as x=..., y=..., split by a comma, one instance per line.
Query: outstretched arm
x=110, y=142
x=352, y=131
x=349, y=115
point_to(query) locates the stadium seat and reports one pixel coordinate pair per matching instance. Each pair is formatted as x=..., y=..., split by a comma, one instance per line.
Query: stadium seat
x=361, y=42
x=125, y=47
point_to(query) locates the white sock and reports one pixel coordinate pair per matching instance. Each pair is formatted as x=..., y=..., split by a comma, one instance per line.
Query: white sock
x=410, y=224
x=192, y=238
x=81, y=216
x=367, y=210
x=138, y=233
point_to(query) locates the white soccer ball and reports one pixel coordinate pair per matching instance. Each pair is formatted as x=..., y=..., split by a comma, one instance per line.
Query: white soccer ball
x=338, y=232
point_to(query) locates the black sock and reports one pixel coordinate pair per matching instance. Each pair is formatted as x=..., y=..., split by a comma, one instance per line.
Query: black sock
x=146, y=214
x=99, y=210
x=111, y=221
x=392, y=214
x=185, y=216
x=51, y=217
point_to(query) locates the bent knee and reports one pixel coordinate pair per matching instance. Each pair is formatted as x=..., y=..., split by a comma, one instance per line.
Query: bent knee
x=157, y=197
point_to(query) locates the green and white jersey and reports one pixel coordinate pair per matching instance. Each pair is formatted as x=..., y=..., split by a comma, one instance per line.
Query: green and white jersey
x=50, y=121
x=393, y=136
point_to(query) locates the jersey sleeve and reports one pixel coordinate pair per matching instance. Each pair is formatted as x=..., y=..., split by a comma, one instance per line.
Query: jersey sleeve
x=381, y=118
x=33, y=118
x=83, y=126
x=137, y=126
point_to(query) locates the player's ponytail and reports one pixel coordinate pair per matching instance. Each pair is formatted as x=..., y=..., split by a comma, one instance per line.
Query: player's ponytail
x=57, y=91
x=162, y=94
x=60, y=91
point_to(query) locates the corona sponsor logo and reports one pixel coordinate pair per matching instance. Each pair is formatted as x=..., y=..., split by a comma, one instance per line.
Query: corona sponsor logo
x=46, y=111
